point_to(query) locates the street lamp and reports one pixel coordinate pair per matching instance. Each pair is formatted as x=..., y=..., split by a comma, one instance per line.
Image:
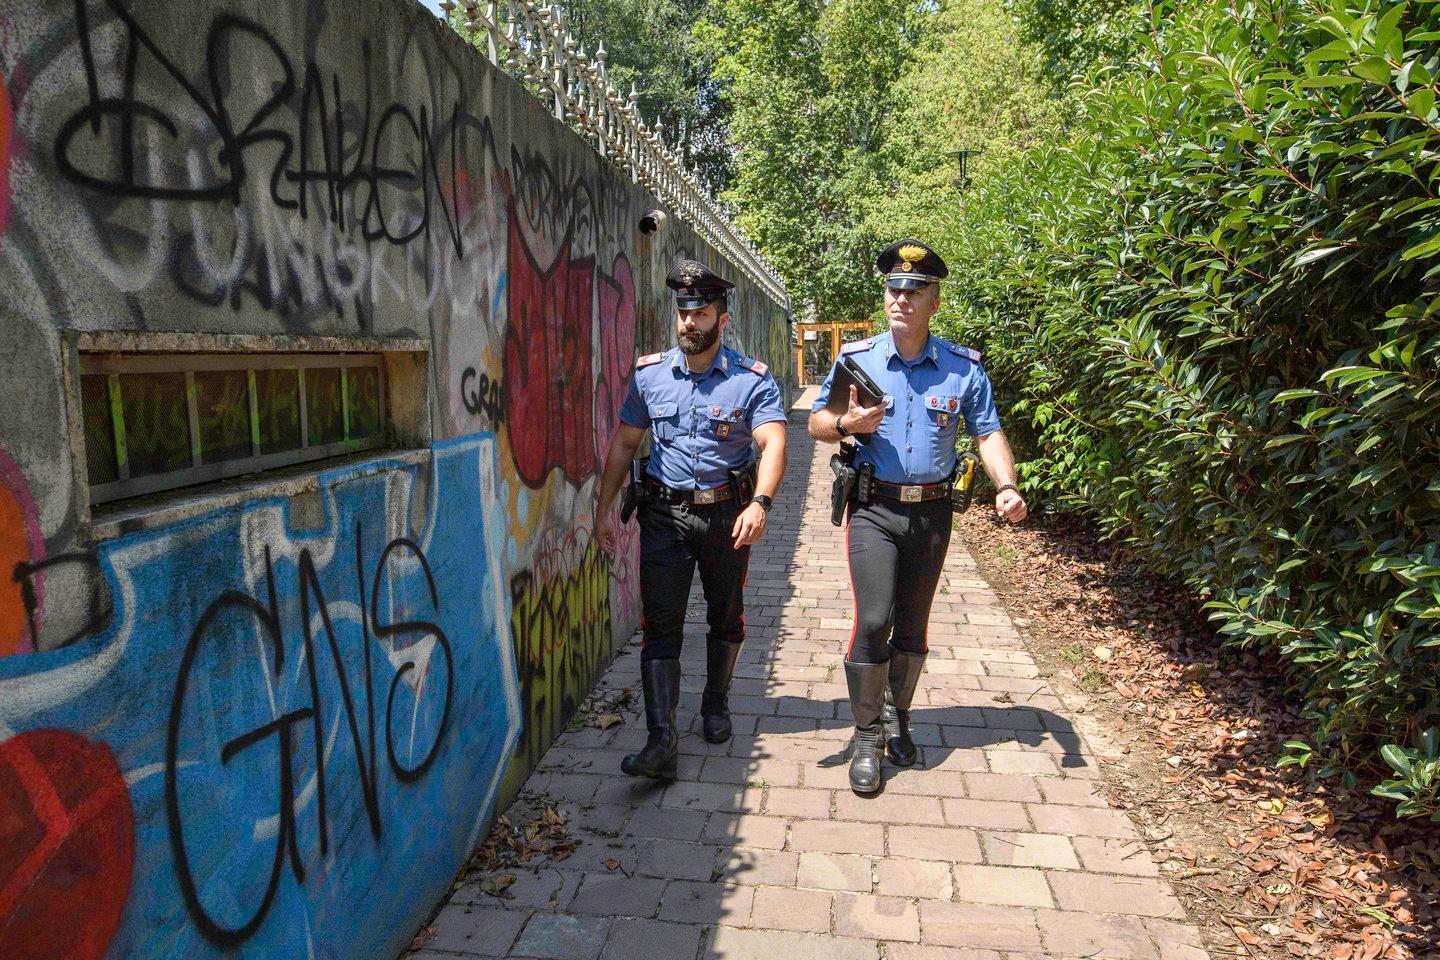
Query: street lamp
x=962, y=182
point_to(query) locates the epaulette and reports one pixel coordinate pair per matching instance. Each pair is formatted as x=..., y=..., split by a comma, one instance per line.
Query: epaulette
x=855, y=346
x=754, y=365
x=648, y=359
x=972, y=355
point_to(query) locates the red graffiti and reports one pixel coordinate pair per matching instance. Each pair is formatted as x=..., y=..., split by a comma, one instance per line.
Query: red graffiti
x=67, y=846
x=20, y=543
x=549, y=373
x=617, y=350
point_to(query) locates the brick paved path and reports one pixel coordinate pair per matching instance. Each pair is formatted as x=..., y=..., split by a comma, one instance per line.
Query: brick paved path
x=994, y=846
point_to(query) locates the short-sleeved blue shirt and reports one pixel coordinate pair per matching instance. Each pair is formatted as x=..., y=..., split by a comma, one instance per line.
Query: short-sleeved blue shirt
x=702, y=422
x=925, y=401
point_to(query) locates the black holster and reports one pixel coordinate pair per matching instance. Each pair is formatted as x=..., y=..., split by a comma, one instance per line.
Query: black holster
x=637, y=492
x=842, y=464
x=742, y=482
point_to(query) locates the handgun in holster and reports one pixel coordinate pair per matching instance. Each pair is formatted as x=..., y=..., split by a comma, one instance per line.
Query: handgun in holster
x=961, y=492
x=637, y=492
x=742, y=482
x=842, y=464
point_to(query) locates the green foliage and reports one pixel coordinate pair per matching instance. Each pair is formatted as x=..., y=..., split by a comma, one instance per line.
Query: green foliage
x=808, y=85
x=1215, y=301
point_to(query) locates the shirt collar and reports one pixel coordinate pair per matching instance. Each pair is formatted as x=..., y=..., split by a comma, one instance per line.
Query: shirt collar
x=931, y=351
x=723, y=363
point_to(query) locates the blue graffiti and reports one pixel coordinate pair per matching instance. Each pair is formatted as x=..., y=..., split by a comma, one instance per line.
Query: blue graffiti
x=312, y=723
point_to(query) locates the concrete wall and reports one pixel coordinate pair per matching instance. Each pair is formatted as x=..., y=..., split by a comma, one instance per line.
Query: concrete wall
x=270, y=720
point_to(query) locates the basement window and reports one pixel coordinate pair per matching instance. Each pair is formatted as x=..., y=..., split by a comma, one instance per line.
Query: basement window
x=157, y=422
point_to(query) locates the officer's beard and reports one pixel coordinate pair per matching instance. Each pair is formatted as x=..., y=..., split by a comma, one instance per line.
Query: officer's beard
x=699, y=341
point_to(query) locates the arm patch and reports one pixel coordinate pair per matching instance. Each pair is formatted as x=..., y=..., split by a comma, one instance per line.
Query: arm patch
x=648, y=359
x=855, y=346
x=754, y=365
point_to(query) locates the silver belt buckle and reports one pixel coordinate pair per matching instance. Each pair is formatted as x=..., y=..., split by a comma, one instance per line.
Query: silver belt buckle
x=910, y=494
x=704, y=496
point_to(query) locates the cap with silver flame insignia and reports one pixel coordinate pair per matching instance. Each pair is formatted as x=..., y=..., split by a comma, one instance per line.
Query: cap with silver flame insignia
x=695, y=284
x=909, y=265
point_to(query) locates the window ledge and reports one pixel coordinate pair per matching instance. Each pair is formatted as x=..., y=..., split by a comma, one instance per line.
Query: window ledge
x=166, y=509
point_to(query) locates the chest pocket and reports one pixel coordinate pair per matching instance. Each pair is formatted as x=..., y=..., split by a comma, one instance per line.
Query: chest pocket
x=943, y=409
x=722, y=423
x=664, y=420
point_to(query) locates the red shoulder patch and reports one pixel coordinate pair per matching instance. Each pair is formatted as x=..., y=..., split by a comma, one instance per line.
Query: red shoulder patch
x=648, y=359
x=756, y=366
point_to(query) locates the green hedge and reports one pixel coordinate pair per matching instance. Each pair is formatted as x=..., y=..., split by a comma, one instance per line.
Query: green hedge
x=1215, y=301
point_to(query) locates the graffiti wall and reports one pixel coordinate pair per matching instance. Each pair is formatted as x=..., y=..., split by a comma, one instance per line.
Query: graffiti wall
x=269, y=717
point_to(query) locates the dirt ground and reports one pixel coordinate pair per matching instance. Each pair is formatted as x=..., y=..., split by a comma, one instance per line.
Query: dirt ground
x=1272, y=862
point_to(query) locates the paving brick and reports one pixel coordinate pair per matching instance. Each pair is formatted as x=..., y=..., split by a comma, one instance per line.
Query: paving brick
x=781, y=908
x=757, y=867
x=746, y=830
x=1082, y=821
x=994, y=814
x=666, y=823
x=1012, y=886
x=976, y=925
x=708, y=796
x=1029, y=850
x=483, y=931
x=677, y=860
x=651, y=939
x=926, y=783
x=836, y=837
x=835, y=871
x=791, y=802
x=1075, y=793
x=882, y=918
x=907, y=877
x=1018, y=761
x=922, y=951
x=889, y=808
x=1136, y=896
x=731, y=943
x=686, y=901
x=1094, y=935
x=954, y=844
x=560, y=936
x=1105, y=855
x=1001, y=786
x=616, y=895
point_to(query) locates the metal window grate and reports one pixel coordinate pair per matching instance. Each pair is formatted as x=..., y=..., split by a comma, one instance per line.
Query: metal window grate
x=156, y=422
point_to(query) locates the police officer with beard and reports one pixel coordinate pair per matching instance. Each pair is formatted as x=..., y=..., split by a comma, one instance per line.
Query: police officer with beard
x=896, y=542
x=707, y=407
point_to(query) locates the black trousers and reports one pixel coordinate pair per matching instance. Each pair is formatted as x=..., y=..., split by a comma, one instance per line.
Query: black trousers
x=896, y=552
x=674, y=540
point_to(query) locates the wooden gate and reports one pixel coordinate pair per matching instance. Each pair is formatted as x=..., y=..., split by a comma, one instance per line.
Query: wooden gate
x=819, y=344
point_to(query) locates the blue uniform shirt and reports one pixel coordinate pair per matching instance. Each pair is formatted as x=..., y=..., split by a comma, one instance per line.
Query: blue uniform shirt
x=924, y=404
x=702, y=422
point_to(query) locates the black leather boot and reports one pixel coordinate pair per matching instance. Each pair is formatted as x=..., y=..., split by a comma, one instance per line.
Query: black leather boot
x=720, y=657
x=905, y=671
x=660, y=680
x=867, y=682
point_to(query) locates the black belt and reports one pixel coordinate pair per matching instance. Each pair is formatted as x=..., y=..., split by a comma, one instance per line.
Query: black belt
x=911, y=492
x=693, y=498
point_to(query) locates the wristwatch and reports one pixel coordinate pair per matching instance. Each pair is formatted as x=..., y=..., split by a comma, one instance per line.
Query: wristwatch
x=840, y=427
x=765, y=502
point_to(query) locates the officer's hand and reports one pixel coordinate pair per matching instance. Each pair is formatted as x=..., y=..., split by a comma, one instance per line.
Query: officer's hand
x=860, y=419
x=1011, y=506
x=749, y=526
x=605, y=532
